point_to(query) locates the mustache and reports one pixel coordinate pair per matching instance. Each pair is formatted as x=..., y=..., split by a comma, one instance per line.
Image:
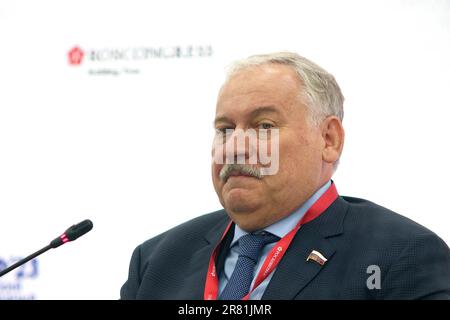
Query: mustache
x=245, y=169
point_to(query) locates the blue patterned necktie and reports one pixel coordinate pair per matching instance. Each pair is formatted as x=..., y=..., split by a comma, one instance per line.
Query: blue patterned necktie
x=250, y=247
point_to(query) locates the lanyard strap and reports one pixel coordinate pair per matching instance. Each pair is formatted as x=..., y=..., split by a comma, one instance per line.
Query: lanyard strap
x=277, y=252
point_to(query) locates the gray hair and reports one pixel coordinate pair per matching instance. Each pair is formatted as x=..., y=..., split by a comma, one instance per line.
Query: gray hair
x=321, y=93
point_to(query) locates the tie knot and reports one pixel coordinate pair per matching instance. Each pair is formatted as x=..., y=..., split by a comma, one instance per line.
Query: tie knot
x=251, y=244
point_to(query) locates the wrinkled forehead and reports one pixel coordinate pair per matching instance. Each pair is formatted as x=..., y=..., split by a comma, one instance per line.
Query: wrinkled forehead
x=260, y=87
x=263, y=77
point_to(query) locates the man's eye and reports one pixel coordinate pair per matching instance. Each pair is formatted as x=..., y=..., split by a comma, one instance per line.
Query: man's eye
x=224, y=131
x=265, y=125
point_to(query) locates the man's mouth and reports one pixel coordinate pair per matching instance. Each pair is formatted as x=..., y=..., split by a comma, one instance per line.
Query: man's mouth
x=239, y=174
x=239, y=170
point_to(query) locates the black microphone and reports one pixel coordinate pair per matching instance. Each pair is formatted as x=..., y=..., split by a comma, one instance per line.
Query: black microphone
x=71, y=234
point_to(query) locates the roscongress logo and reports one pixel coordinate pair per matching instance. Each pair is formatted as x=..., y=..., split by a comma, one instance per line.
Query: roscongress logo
x=75, y=56
x=115, y=61
x=78, y=55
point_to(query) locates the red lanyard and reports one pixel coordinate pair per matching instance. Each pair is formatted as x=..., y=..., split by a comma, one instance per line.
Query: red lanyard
x=277, y=252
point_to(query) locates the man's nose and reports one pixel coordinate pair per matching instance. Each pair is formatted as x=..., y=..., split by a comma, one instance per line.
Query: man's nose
x=240, y=147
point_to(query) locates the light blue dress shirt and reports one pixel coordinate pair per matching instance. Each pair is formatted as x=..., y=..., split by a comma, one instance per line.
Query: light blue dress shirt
x=280, y=229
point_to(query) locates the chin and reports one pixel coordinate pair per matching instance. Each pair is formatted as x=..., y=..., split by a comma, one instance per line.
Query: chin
x=248, y=222
x=241, y=200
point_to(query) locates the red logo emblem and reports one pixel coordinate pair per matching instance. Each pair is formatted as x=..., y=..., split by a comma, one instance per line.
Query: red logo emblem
x=75, y=56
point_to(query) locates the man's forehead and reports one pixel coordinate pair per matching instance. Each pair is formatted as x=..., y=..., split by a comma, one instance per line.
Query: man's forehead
x=251, y=112
x=259, y=84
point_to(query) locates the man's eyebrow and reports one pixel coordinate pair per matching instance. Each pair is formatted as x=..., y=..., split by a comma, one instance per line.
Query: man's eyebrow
x=256, y=112
x=221, y=119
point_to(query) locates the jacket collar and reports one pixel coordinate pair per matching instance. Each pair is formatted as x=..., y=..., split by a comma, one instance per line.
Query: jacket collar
x=294, y=271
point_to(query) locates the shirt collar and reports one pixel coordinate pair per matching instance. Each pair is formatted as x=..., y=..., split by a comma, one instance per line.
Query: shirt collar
x=285, y=225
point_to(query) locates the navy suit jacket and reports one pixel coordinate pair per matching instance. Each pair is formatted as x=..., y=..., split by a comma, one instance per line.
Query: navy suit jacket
x=352, y=234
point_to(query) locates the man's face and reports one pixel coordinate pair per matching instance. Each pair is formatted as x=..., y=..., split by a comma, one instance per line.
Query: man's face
x=268, y=97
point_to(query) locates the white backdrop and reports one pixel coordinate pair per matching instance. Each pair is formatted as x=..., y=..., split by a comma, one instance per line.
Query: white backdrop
x=124, y=137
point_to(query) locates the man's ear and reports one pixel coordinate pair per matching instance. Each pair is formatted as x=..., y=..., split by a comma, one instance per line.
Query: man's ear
x=333, y=136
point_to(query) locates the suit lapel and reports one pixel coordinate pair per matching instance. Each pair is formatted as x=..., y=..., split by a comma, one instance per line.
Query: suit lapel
x=294, y=273
x=195, y=281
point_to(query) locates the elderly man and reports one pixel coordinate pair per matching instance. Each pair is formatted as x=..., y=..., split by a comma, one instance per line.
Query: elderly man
x=285, y=233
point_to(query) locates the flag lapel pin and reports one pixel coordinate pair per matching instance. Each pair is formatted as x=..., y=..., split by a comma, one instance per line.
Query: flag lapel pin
x=317, y=257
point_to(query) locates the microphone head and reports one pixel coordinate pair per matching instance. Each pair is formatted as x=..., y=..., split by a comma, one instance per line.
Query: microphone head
x=77, y=230
x=73, y=233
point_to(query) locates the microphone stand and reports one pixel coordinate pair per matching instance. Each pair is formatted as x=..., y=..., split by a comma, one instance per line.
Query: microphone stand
x=71, y=234
x=24, y=260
